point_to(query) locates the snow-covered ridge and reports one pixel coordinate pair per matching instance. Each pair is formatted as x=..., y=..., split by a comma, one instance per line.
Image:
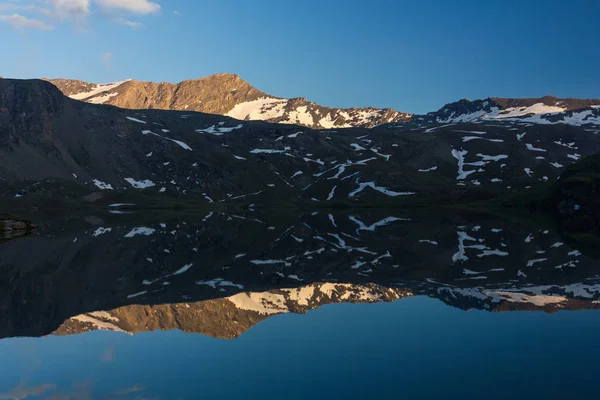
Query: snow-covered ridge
x=540, y=111
x=300, y=112
x=288, y=111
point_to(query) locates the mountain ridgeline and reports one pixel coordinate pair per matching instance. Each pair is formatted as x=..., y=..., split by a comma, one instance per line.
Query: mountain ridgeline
x=228, y=94
x=225, y=94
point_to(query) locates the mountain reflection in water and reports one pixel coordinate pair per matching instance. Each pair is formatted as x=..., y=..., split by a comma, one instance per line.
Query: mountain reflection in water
x=232, y=276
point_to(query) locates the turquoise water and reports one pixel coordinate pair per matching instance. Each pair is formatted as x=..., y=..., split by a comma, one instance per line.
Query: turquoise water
x=414, y=348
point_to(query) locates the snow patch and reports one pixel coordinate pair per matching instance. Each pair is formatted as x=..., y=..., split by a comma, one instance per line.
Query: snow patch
x=261, y=109
x=102, y=185
x=380, y=189
x=140, y=184
x=101, y=231
x=178, y=142
x=219, y=130
x=136, y=120
x=97, y=89
x=141, y=230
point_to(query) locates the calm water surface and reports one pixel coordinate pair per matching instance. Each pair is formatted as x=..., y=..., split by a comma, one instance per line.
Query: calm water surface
x=413, y=348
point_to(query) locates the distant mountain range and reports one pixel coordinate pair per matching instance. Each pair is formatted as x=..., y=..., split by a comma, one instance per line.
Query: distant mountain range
x=229, y=95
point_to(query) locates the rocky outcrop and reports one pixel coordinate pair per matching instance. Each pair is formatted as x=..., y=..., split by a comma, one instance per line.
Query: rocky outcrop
x=11, y=228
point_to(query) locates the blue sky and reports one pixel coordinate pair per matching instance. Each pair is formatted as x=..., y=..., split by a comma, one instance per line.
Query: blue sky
x=413, y=56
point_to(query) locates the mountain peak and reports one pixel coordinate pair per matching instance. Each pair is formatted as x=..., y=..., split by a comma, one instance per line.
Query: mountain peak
x=225, y=75
x=221, y=77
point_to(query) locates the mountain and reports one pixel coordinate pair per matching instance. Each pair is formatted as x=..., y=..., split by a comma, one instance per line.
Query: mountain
x=545, y=110
x=58, y=147
x=225, y=94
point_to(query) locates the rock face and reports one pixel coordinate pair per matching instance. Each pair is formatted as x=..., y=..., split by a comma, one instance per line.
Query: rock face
x=45, y=135
x=216, y=94
x=225, y=94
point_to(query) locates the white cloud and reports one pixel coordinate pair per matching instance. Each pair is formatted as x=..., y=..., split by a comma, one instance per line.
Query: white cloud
x=176, y=12
x=14, y=6
x=43, y=14
x=129, y=23
x=66, y=9
x=140, y=7
x=21, y=23
x=106, y=58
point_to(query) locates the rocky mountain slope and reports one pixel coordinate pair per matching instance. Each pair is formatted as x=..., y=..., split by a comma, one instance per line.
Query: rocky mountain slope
x=225, y=94
x=134, y=272
x=45, y=135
